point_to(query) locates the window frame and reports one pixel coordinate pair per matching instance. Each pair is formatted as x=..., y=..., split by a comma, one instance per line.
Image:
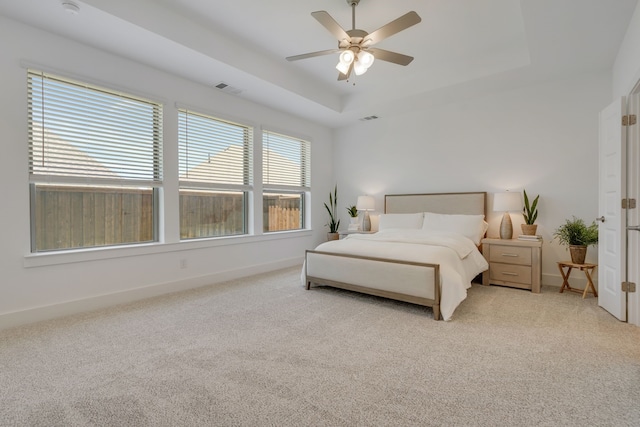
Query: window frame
x=39, y=79
x=304, y=187
x=247, y=187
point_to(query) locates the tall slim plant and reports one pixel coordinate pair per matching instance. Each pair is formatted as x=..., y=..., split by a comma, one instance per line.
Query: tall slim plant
x=334, y=222
x=530, y=212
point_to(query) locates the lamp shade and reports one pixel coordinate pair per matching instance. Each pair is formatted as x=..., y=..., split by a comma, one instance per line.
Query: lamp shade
x=366, y=203
x=507, y=201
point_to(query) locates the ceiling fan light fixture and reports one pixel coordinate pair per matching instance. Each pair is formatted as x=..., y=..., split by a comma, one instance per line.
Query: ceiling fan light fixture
x=366, y=58
x=359, y=68
x=342, y=67
x=346, y=58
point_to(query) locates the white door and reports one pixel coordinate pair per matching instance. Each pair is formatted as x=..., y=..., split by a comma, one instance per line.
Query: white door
x=611, y=244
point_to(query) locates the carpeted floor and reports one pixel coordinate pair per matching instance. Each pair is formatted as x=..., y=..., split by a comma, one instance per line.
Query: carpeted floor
x=264, y=351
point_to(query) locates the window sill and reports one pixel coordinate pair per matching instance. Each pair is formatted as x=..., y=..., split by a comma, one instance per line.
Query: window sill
x=112, y=252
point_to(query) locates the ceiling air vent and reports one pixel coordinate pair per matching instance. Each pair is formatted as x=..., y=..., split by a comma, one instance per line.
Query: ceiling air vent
x=228, y=89
x=365, y=119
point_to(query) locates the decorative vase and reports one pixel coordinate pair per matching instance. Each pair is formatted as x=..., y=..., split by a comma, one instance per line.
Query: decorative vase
x=529, y=229
x=333, y=236
x=578, y=254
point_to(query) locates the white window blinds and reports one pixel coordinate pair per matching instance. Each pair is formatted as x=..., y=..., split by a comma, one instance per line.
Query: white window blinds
x=213, y=152
x=286, y=162
x=77, y=131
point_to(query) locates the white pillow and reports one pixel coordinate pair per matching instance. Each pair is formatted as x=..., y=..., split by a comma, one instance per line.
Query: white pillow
x=413, y=220
x=471, y=226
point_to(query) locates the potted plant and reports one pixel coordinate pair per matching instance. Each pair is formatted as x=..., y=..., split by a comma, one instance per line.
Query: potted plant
x=353, y=218
x=578, y=236
x=334, y=222
x=530, y=214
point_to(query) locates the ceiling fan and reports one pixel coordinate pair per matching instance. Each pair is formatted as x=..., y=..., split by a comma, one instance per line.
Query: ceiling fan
x=356, y=53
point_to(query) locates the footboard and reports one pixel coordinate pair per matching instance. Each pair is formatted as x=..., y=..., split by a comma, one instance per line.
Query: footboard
x=413, y=282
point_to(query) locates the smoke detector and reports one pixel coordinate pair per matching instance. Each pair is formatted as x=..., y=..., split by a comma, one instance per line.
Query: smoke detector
x=71, y=7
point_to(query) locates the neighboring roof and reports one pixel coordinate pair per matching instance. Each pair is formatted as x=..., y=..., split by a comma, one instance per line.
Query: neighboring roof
x=227, y=167
x=52, y=146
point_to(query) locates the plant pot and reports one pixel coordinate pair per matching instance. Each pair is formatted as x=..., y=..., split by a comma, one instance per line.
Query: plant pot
x=354, y=224
x=578, y=254
x=333, y=236
x=529, y=229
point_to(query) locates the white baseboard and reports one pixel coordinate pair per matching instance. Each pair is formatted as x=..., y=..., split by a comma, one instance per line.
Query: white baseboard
x=23, y=317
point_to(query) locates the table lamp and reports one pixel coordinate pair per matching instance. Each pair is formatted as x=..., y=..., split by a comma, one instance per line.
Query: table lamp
x=506, y=202
x=366, y=204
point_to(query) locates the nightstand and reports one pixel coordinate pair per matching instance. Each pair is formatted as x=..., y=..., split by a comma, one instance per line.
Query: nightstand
x=515, y=263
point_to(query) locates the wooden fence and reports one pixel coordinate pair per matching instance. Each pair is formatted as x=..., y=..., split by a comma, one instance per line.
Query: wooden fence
x=207, y=214
x=283, y=219
x=281, y=212
x=72, y=217
x=77, y=217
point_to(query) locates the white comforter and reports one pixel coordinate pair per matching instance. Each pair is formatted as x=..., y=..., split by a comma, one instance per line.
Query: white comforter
x=458, y=257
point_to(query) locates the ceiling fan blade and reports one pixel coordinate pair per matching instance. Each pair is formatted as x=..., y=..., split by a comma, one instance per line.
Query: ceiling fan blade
x=330, y=24
x=393, y=27
x=346, y=76
x=386, y=55
x=312, y=54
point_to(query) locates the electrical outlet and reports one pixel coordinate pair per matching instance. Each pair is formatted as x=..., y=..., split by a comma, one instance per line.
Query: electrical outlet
x=183, y=263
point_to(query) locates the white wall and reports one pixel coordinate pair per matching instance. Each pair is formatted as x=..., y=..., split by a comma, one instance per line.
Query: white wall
x=542, y=138
x=38, y=287
x=626, y=68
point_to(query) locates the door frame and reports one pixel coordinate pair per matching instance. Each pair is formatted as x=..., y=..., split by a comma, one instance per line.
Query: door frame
x=632, y=216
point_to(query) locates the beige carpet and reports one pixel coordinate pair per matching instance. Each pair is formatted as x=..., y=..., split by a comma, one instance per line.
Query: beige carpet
x=264, y=351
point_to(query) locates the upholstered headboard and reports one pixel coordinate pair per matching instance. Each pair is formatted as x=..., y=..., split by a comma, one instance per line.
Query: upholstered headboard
x=473, y=203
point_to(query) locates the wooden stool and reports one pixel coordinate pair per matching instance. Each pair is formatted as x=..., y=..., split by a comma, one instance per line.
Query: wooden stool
x=588, y=271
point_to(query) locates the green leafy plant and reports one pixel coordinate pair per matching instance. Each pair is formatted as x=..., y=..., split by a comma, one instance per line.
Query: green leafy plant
x=530, y=211
x=574, y=232
x=353, y=211
x=334, y=222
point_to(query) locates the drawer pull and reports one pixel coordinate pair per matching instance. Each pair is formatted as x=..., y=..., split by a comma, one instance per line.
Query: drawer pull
x=509, y=273
x=511, y=255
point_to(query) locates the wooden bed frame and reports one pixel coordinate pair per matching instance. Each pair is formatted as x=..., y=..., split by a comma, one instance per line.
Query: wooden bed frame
x=469, y=203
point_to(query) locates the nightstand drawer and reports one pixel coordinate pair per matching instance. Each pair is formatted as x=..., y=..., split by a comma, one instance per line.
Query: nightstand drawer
x=510, y=273
x=510, y=254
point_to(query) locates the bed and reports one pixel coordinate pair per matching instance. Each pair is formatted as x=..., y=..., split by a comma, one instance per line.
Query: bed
x=425, y=252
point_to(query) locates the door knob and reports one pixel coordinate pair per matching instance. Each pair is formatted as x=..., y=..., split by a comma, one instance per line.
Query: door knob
x=634, y=227
x=601, y=219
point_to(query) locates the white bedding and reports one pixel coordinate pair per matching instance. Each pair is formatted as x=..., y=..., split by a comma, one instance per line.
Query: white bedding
x=458, y=257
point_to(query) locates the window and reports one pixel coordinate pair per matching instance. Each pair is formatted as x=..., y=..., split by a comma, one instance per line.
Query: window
x=286, y=176
x=94, y=165
x=215, y=158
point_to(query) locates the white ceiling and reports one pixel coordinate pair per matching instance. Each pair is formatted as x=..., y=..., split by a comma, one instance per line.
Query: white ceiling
x=462, y=47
